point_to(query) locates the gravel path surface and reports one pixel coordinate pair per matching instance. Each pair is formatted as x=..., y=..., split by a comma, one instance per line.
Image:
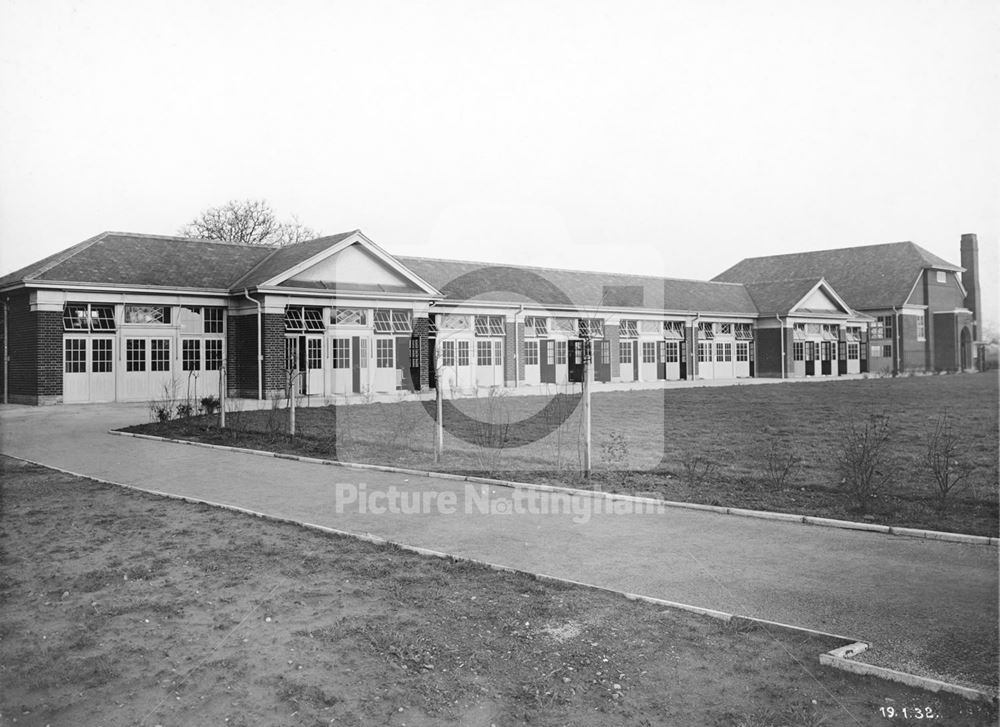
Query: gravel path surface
x=927, y=607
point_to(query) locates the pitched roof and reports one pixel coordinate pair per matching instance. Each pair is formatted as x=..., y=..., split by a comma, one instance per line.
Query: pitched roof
x=778, y=297
x=867, y=277
x=281, y=259
x=121, y=258
x=464, y=280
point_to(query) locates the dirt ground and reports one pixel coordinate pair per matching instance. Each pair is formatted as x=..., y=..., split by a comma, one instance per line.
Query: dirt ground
x=715, y=445
x=121, y=608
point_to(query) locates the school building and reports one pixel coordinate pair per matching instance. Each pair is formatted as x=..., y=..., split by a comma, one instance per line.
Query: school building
x=131, y=317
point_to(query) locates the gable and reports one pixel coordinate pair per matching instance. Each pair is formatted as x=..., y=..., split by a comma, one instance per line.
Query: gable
x=352, y=268
x=819, y=300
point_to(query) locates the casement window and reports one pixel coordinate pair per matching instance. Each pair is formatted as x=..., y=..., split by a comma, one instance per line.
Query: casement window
x=628, y=329
x=463, y=353
x=392, y=321
x=135, y=354
x=536, y=326
x=383, y=321
x=725, y=329
x=75, y=355
x=591, y=327
x=349, y=317
x=302, y=318
x=706, y=330
x=673, y=329
x=724, y=352
x=671, y=352
x=625, y=352
x=340, y=353
x=829, y=332
x=385, y=357
x=799, y=331
x=453, y=322
x=921, y=328
x=742, y=351
x=214, y=320
x=704, y=352
x=562, y=351
x=744, y=332
x=213, y=354
x=489, y=325
x=88, y=317
x=191, y=354
x=853, y=351
x=159, y=354
x=147, y=315
x=649, y=352
x=798, y=351
x=484, y=355
x=102, y=355
x=531, y=353
x=447, y=353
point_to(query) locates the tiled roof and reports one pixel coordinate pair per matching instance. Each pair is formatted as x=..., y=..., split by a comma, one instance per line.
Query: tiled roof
x=281, y=259
x=462, y=280
x=779, y=296
x=119, y=258
x=867, y=277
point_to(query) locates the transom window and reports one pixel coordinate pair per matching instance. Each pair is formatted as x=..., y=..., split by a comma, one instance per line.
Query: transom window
x=673, y=329
x=706, y=330
x=392, y=321
x=649, y=327
x=303, y=318
x=536, y=326
x=625, y=352
x=88, y=317
x=799, y=331
x=384, y=353
x=214, y=320
x=628, y=329
x=147, y=315
x=564, y=325
x=591, y=327
x=349, y=317
x=852, y=333
x=531, y=353
x=830, y=332
x=489, y=326
x=744, y=332
x=725, y=329
x=453, y=322
x=191, y=354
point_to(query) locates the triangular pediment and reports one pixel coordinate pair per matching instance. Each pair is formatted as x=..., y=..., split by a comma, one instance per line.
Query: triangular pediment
x=353, y=268
x=821, y=299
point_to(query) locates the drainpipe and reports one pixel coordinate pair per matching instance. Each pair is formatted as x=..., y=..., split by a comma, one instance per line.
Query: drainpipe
x=260, y=346
x=517, y=350
x=781, y=336
x=693, y=354
x=897, y=335
x=6, y=301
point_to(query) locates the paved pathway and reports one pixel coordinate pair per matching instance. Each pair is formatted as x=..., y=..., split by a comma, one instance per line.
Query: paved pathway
x=904, y=595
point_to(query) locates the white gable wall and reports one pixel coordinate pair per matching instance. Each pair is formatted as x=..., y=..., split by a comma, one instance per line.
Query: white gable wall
x=353, y=265
x=818, y=300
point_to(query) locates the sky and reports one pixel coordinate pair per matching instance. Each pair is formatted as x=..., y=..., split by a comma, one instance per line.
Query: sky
x=668, y=138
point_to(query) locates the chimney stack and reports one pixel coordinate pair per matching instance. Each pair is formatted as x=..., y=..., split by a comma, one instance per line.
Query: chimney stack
x=970, y=278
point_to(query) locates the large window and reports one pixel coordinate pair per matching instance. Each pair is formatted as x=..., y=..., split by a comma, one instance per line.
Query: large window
x=148, y=315
x=628, y=329
x=213, y=354
x=384, y=353
x=489, y=325
x=135, y=354
x=88, y=317
x=531, y=353
x=484, y=355
x=649, y=352
x=191, y=354
x=76, y=355
x=341, y=353
x=625, y=352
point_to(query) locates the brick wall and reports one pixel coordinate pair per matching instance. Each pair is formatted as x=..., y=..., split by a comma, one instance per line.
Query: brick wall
x=275, y=377
x=241, y=355
x=49, y=327
x=22, y=351
x=768, y=363
x=421, y=329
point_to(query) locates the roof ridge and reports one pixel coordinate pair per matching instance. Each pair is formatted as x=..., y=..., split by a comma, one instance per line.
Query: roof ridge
x=180, y=238
x=563, y=270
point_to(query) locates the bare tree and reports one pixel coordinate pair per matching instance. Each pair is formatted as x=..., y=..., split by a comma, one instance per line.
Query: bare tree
x=246, y=222
x=946, y=457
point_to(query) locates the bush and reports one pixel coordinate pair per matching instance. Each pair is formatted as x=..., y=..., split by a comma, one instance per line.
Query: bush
x=184, y=410
x=780, y=463
x=210, y=404
x=947, y=459
x=864, y=459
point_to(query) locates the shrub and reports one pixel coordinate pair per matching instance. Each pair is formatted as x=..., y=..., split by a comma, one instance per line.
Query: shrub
x=780, y=463
x=184, y=410
x=697, y=468
x=210, y=404
x=863, y=458
x=947, y=459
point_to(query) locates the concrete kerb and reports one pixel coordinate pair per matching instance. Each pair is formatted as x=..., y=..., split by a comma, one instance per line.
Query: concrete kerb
x=836, y=658
x=736, y=511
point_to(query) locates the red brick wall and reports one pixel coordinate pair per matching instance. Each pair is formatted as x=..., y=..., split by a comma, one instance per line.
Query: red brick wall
x=241, y=355
x=275, y=377
x=22, y=351
x=421, y=329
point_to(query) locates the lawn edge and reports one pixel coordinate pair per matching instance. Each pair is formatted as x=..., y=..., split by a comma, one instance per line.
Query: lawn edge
x=837, y=658
x=903, y=532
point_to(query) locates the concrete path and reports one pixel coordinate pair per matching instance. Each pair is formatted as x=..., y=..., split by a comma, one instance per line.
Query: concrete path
x=908, y=597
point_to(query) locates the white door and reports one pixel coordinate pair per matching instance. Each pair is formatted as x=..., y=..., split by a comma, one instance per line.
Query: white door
x=88, y=369
x=385, y=364
x=342, y=366
x=313, y=379
x=532, y=372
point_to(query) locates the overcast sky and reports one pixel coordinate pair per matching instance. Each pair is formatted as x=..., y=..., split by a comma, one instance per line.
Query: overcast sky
x=670, y=138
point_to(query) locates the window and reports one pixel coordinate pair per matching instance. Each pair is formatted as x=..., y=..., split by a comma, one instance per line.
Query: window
x=536, y=326
x=84, y=317
x=704, y=352
x=349, y=317
x=498, y=353
x=414, y=352
x=483, y=353
x=671, y=351
x=293, y=319
x=489, y=325
x=562, y=351
x=830, y=332
x=214, y=320
x=882, y=328
x=628, y=329
x=313, y=318
x=401, y=321
x=76, y=355
x=452, y=322
x=798, y=351
x=744, y=332
x=564, y=325
x=191, y=354
x=673, y=329
x=159, y=354
x=314, y=353
x=942, y=276
x=341, y=353
x=291, y=354
x=725, y=329
x=213, y=354
x=706, y=330
x=648, y=352
x=463, y=353
x=383, y=321
x=921, y=330
x=743, y=351
x=363, y=353
x=384, y=353
x=852, y=333
x=135, y=354
x=724, y=352
x=591, y=327
x=447, y=353
x=625, y=352
x=799, y=331
x=531, y=353
x=887, y=351
x=102, y=355
x=147, y=314
x=604, y=352
x=853, y=351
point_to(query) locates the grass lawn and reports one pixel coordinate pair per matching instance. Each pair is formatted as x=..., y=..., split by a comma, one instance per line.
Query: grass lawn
x=713, y=445
x=122, y=608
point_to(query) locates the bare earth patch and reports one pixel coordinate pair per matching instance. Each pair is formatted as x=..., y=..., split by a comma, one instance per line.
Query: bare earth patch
x=121, y=608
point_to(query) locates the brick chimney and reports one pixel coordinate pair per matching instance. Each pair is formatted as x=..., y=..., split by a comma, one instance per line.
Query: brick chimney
x=970, y=278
